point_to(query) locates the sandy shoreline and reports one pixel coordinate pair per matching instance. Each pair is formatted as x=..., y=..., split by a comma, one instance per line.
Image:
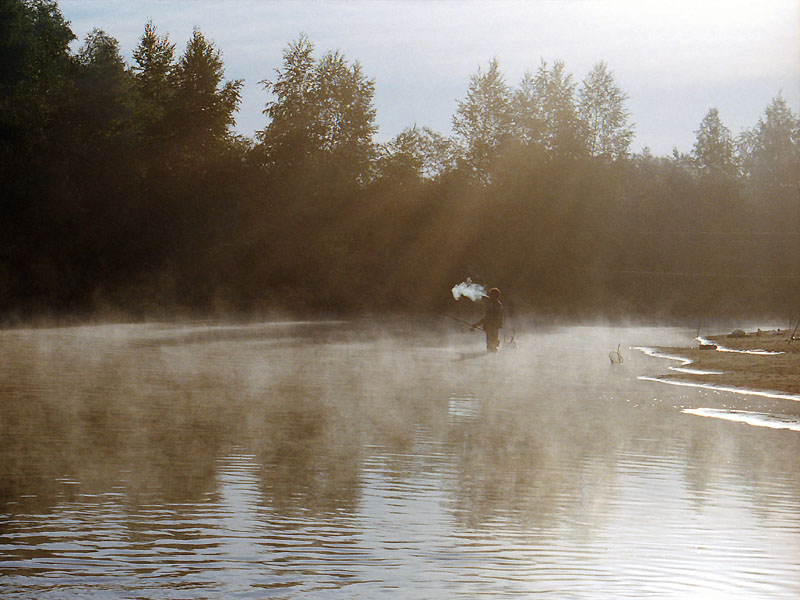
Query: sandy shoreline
x=775, y=369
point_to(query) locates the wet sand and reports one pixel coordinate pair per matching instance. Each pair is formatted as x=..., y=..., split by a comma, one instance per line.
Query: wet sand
x=764, y=361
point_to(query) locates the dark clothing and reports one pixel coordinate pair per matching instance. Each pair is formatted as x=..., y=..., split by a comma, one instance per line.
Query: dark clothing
x=492, y=322
x=494, y=314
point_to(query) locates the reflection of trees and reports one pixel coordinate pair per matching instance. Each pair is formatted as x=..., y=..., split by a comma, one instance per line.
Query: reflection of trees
x=112, y=413
x=151, y=422
x=310, y=429
x=310, y=457
x=755, y=457
x=86, y=411
x=549, y=451
x=532, y=461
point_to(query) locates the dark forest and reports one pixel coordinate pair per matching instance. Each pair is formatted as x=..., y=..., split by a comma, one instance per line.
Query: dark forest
x=124, y=189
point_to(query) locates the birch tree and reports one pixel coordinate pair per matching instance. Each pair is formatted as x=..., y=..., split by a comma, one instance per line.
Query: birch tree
x=483, y=120
x=607, y=131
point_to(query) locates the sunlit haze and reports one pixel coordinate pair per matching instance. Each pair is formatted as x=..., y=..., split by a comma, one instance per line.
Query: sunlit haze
x=674, y=60
x=356, y=299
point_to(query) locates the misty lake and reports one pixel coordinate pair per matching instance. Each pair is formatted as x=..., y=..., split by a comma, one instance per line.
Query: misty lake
x=341, y=460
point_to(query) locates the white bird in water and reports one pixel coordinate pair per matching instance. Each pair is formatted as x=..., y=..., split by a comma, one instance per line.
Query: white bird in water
x=615, y=357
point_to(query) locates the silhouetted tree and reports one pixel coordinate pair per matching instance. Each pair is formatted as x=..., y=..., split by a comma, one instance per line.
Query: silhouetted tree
x=602, y=110
x=545, y=111
x=203, y=108
x=126, y=186
x=401, y=159
x=317, y=155
x=346, y=116
x=416, y=153
x=713, y=150
x=154, y=81
x=102, y=96
x=527, y=111
x=322, y=113
x=770, y=157
x=35, y=90
x=482, y=122
x=34, y=67
x=770, y=151
x=289, y=135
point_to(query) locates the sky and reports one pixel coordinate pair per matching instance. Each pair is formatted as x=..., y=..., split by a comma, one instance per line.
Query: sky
x=675, y=60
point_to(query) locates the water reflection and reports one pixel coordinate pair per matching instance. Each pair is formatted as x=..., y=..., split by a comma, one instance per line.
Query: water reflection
x=350, y=463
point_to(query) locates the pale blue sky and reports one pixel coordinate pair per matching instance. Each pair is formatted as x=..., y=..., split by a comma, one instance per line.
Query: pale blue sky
x=675, y=59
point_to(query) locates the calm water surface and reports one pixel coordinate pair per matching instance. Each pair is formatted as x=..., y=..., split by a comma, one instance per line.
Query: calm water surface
x=330, y=460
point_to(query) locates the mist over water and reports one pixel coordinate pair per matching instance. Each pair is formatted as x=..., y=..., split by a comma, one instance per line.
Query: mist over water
x=338, y=460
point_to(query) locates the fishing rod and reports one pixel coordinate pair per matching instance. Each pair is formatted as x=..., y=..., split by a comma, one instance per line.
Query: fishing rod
x=462, y=321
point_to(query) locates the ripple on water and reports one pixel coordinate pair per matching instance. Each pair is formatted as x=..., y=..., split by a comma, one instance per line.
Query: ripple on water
x=499, y=479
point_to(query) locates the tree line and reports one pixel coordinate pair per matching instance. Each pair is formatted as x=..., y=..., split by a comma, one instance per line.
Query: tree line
x=125, y=187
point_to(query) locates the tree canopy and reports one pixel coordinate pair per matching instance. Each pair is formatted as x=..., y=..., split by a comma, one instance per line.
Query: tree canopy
x=125, y=187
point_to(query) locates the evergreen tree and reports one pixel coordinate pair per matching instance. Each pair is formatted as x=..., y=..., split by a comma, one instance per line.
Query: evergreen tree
x=770, y=151
x=154, y=81
x=204, y=107
x=34, y=68
x=35, y=90
x=713, y=150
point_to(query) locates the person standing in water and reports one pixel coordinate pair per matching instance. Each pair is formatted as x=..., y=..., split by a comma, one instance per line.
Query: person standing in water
x=492, y=320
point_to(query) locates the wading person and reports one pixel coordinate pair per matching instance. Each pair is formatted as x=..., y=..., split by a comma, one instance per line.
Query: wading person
x=492, y=320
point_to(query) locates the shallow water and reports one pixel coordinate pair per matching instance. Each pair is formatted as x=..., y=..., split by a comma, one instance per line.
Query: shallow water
x=331, y=460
